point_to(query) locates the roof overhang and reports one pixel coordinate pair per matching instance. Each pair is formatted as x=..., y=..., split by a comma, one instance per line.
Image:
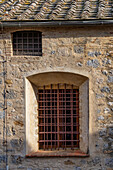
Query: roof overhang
x=55, y=23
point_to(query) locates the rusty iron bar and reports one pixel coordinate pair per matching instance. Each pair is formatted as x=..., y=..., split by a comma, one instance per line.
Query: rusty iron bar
x=58, y=118
x=44, y=117
x=27, y=43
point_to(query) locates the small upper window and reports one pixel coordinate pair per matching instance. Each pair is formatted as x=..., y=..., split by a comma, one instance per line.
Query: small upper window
x=27, y=43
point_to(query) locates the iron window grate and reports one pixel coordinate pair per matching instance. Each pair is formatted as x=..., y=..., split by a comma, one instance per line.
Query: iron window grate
x=27, y=43
x=58, y=117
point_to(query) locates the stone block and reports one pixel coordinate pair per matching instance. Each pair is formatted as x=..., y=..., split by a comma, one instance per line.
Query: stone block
x=0, y=81
x=110, y=103
x=79, y=64
x=93, y=63
x=110, y=79
x=77, y=168
x=111, y=131
x=101, y=118
x=104, y=72
x=99, y=96
x=2, y=114
x=111, y=72
x=19, y=123
x=2, y=74
x=106, y=110
x=0, y=52
x=106, y=61
x=8, y=81
x=3, y=158
x=94, y=53
x=78, y=49
x=103, y=132
x=16, y=159
x=10, y=94
x=1, y=105
x=16, y=143
x=109, y=162
x=105, y=89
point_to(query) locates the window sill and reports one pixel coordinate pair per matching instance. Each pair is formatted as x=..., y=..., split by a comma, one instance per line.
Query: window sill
x=41, y=154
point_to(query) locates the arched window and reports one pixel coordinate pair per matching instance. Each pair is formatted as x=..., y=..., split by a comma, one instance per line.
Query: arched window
x=57, y=114
x=27, y=43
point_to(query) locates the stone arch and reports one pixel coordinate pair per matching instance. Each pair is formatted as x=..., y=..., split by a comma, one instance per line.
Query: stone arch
x=32, y=81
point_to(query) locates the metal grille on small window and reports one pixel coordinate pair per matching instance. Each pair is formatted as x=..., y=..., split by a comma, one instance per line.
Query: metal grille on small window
x=27, y=43
x=58, y=117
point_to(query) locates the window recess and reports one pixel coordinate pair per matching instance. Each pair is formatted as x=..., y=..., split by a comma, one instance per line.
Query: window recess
x=27, y=43
x=58, y=117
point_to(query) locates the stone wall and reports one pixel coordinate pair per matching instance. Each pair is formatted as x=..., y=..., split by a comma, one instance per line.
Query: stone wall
x=84, y=50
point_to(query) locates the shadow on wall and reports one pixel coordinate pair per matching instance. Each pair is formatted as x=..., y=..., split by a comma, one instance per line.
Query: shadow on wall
x=102, y=159
x=100, y=151
x=79, y=32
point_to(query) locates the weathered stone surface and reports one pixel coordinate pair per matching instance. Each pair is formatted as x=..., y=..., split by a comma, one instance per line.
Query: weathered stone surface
x=106, y=110
x=13, y=130
x=101, y=118
x=19, y=123
x=77, y=168
x=8, y=81
x=93, y=63
x=78, y=49
x=105, y=89
x=109, y=162
x=0, y=52
x=22, y=167
x=79, y=64
x=2, y=114
x=1, y=105
x=8, y=131
x=110, y=103
x=99, y=96
x=2, y=74
x=106, y=61
x=111, y=71
x=104, y=72
x=110, y=79
x=11, y=94
x=102, y=132
x=93, y=54
x=110, y=97
x=3, y=158
x=94, y=161
x=16, y=143
x=106, y=146
x=0, y=81
x=16, y=159
x=9, y=104
x=68, y=162
x=111, y=131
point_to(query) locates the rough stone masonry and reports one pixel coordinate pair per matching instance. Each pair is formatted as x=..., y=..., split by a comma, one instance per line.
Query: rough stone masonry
x=85, y=49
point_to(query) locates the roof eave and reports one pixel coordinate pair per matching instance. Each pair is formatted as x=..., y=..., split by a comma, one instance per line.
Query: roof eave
x=55, y=23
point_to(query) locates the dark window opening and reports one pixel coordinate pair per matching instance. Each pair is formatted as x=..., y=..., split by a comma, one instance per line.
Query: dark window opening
x=58, y=114
x=27, y=43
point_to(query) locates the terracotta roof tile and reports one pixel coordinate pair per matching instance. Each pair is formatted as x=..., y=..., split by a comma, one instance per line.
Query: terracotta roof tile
x=55, y=9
